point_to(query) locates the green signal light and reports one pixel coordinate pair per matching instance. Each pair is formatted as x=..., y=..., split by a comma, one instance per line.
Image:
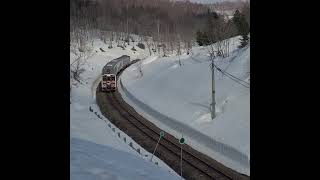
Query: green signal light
x=161, y=134
x=181, y=141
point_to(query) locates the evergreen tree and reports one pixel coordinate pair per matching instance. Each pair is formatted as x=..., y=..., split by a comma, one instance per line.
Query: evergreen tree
x=240, y=21
x=203, y=39
x=242, y=26
x=210, y=26
x=236, y=18
x=199, y=38
x=244, y=40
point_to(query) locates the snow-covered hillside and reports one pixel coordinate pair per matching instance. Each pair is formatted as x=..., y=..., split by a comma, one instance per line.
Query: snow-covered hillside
x=96, y=150
x=178, y=99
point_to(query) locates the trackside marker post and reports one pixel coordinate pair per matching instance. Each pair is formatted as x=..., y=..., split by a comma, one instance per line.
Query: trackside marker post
x=161, y=135
x=181, y=141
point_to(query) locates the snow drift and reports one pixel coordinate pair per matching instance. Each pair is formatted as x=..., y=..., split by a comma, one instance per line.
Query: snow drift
x=177, y=99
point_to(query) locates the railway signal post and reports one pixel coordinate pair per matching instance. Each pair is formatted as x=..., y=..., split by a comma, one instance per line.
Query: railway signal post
x=181, y=141
x=160, y=136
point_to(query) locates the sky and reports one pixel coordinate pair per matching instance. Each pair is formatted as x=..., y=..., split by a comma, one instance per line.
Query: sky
x=209, y=1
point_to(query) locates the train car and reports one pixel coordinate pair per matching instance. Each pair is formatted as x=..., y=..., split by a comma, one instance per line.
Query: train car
x=110, y=71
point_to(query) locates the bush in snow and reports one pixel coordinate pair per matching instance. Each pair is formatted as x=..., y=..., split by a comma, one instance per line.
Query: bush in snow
x=202, y=38
x=133, y=49
x=244, y=41
x=141, y=46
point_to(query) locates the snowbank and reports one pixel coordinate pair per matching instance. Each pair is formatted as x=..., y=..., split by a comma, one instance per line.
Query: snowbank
x=178, y=99
x=94, y=161
x=97, y=151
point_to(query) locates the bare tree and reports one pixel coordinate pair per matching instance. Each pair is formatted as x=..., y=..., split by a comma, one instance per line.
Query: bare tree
x=158, y=36
x=179, y=49
x=140, y=68
x=111, y=39
x=211, y=49
x=76, y=68
x=171, y=42
x=146, y=39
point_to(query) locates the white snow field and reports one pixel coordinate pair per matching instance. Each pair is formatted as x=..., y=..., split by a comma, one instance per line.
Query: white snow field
x=177, y=99
x=94, y=161
x=96, y=150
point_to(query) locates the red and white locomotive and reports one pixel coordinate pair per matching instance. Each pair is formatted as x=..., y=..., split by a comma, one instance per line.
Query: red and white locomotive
x=110, y=71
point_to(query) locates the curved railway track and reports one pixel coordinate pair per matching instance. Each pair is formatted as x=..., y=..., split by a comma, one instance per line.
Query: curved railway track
x=195, y=165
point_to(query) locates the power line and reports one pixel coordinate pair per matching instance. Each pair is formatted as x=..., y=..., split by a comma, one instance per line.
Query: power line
x=232, y=77
x=224, y=72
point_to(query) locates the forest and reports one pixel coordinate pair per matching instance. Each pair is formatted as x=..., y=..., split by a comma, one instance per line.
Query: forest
x=164, y=26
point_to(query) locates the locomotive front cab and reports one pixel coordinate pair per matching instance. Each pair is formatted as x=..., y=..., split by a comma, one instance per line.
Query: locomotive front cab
x=108, y=82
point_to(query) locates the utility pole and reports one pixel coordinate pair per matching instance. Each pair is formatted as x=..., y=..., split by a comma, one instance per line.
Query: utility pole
x=213, y=104
x=158, y=26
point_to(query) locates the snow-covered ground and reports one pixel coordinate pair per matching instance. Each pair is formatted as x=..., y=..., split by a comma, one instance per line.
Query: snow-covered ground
x=95, y=161
x=177, y=99
x=96, y=150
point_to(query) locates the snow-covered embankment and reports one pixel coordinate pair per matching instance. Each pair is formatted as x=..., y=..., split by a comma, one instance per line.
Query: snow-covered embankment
x=177, y=99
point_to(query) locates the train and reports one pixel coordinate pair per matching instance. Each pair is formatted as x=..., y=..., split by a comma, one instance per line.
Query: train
x=110, y=71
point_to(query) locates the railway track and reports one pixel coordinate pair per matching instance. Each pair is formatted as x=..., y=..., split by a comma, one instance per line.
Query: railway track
x=195, y=165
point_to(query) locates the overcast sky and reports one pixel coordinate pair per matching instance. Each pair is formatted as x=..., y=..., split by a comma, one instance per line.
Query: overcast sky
x=209, y=1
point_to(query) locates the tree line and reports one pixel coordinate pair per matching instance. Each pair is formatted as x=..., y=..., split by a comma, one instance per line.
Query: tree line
x=218, y=29
x=162, y=20
x=163, y=27
x=170, y=25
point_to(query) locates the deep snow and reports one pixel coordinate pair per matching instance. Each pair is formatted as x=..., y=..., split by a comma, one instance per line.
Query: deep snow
x=94, y=161
x=183, y=94
x=96, y=151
